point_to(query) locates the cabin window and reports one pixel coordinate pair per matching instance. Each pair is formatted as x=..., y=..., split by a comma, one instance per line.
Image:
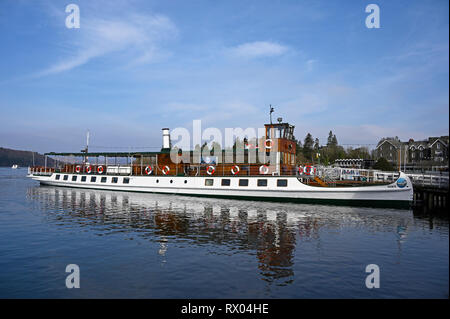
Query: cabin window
x=66, y=177
x=126, y=180
x=103, y=180
x=171, y=181
x=262, y=182
x=114, y=180
x=209, y=182
x=185, y=181
x=57, y=177
x=243, y=182
x=93, y=179
x=282, y=182
x=74, y=178
x=83, y=178
x=226, y=182
x=157, y=180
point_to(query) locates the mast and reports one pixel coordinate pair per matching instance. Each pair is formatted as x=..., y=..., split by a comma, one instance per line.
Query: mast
x=86, y=150
x=270, y=113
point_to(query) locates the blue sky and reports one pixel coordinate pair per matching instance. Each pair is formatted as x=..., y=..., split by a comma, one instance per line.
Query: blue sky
x=134, y=67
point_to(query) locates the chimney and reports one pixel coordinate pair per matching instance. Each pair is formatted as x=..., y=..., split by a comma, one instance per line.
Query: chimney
x=166, y=139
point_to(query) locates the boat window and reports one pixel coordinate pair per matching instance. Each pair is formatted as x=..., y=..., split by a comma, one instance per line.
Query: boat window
x=83, y=178
x=57, y=177
x=157, y=180
x=209, y=182
x=66, y=177
x=104, y=179
x=114, y=180
x=262, y=182
x=225, y=182
x=185, y=181
x=126, y=180
x=74, y=178
x=93, y=179
x=282, y=182
x=243, y=182
x=171, y=181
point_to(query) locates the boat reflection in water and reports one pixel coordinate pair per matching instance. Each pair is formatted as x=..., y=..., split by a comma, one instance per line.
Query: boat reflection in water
x=271, y=231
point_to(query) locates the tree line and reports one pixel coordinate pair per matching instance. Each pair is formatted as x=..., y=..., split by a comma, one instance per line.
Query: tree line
x=311, y=151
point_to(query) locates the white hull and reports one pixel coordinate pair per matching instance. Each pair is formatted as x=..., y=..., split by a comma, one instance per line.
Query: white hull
x=386, y=195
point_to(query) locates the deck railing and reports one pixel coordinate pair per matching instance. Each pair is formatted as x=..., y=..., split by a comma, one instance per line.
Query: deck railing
x=372, y=176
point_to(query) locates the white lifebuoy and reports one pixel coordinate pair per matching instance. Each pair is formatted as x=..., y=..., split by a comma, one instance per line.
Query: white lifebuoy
x=264, y=169
x=88, y=169
x=235, y=169
x=210, y=170
x=78, y=169
x=270, y=143
x=307, y=170
x=148, y=170
x=166, y=170
x=100, y=169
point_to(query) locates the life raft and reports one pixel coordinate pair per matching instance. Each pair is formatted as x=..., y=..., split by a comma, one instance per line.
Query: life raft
x=235, y=169
x=166, y=170
x=268, y=146
x=210, y=170
x=264, y=169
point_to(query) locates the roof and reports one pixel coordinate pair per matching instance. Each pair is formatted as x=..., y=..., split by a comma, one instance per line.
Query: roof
x=393, y=142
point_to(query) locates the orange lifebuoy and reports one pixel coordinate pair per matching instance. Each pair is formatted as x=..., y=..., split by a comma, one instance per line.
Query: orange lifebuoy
x=100, y=169
x=148, y=170
x=235, y=169
x=264, y=169
x=300, y=170
x=78, y=169
x=210, y=170
x=88, y=169
x=166, y=170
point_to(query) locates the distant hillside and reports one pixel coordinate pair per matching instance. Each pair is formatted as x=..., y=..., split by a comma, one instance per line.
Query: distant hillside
x=9, y=157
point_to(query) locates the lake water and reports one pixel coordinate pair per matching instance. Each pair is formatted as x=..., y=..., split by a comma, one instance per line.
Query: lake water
x=132, y=245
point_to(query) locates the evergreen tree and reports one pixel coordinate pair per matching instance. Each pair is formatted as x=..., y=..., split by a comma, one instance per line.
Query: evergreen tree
x=308, y=147
x=383, y=165
x=334, y=141
x=330, y=138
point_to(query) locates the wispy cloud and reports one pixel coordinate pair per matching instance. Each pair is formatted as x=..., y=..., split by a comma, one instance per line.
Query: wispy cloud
x=258, y=49
x=136, y=35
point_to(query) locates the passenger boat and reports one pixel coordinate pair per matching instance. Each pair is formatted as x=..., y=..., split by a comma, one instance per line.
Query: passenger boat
x=274, y=176
x=15, y=166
